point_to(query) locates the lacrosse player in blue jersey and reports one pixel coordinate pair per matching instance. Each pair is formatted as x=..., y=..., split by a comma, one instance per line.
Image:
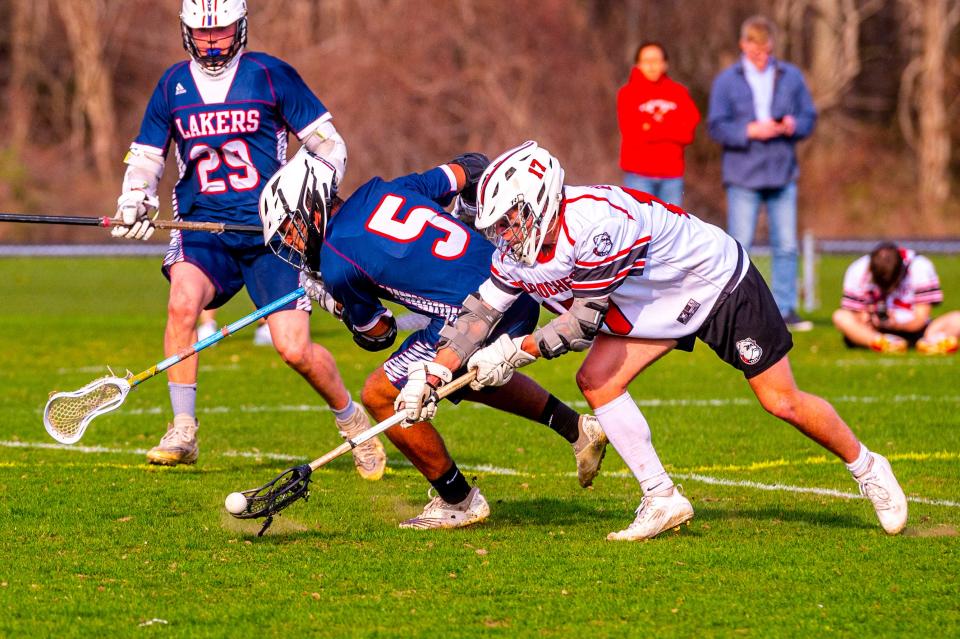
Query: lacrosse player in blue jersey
x=393, y=241
x=227, y=113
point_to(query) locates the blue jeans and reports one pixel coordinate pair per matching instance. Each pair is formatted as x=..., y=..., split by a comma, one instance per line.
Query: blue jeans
x=743, y=207
x=670, y=190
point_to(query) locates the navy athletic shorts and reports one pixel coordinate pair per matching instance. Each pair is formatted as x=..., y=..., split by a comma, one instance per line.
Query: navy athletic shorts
x=232, y=261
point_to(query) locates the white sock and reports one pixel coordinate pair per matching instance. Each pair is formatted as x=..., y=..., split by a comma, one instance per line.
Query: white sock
x=627, y=430
x=183, y=399
x=861, y=464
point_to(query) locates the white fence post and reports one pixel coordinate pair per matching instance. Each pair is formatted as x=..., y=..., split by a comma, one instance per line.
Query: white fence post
x=810, y=302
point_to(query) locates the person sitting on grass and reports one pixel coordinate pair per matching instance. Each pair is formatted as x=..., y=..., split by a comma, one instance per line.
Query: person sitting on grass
x=888, y=298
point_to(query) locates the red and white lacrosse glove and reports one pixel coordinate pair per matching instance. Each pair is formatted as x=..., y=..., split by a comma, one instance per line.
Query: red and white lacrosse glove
x=418, y=398
x=136, y=211
x=495, y=363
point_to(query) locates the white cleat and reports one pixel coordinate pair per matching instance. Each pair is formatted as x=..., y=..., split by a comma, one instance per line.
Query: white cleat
x=206, y=329
x=262, y=337
x=880, y=486
x=439, y=514
x=370, y=458
x=655, y=515
x=179, y=445
x=589, y=449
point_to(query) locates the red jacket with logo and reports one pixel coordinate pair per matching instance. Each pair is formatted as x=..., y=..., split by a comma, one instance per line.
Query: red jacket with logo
x=657, y=120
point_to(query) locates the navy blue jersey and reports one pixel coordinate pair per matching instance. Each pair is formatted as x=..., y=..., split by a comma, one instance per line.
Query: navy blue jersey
x=229, y=133
x=393, y=241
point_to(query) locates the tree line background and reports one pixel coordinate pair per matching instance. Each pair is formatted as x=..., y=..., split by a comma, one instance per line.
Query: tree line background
x=411, y=83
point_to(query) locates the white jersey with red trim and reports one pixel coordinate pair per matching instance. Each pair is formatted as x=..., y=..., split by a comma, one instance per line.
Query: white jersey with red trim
x=663, y=268
x=920, y=285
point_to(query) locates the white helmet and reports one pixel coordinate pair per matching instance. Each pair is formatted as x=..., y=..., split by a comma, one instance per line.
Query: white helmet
x=209, y=14
x=529, y=179
x=302, y=192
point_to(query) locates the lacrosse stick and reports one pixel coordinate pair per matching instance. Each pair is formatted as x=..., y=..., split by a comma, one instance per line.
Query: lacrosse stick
x=67, y=414
x=107, y=222
x=294, y=483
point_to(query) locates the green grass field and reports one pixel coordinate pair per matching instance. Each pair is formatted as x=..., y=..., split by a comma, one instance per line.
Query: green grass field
x=96, y=543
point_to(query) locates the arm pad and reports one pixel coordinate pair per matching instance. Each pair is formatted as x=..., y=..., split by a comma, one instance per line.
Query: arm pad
x=327, y=143
x=574, y=330
x=144, y=170
x=473, y=326
x=370, y=343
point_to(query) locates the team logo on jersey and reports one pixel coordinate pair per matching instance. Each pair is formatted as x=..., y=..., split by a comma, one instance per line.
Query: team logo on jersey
x=750, y=352
x=179, y=90
x=602, y=245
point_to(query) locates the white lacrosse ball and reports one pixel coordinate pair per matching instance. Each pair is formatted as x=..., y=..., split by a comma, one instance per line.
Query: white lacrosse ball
x=235, y=503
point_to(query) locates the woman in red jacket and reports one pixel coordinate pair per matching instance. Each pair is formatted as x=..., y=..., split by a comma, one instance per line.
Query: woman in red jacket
x=657, y=119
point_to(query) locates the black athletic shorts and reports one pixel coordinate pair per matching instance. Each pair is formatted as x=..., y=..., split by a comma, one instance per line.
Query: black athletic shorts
x=746, y=329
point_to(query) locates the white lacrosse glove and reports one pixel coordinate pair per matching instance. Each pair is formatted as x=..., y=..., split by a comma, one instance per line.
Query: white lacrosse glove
x=136, y=211
x=315, y=289
x=418, y=398
x=466, y=213
x=495, y=363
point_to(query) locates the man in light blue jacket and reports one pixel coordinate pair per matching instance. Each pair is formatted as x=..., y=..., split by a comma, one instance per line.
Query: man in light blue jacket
x=760, y=108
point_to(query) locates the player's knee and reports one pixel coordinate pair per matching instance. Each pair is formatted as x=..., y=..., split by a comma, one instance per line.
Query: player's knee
x=586, y=380
x=841, y=319
x=782, y=405
x=182, y=310
x=294, y=353
x=377, y=396
x=595, y=383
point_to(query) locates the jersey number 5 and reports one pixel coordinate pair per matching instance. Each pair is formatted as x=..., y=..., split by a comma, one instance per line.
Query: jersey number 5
x=384, y=222
x=236, y=155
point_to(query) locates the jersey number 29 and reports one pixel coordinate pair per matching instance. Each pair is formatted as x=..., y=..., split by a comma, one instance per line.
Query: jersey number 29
x=384, y=222
x=236, y=155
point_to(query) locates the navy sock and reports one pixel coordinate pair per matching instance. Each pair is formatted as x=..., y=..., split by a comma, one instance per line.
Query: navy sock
x=561, y=418
x=452, y=486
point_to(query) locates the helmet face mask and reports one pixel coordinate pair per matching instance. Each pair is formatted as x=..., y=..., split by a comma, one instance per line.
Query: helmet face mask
x=517, y=232
x=295, y=206
x=200, y=16
x=518, y=200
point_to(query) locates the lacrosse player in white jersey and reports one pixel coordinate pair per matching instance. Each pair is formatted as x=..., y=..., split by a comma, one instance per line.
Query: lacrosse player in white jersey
x=888, y=300
x=632, y=278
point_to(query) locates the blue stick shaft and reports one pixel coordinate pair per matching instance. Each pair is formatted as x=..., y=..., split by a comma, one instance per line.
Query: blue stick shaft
x=216, y=337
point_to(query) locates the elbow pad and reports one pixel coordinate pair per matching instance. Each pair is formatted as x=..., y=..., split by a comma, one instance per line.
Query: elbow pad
x=370, y=343
x=473, y=326
x=327, y=143
x=144, y=170
x=574, y=330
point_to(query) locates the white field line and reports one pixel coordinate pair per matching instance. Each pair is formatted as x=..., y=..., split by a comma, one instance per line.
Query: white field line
x=104, y=370
x=580, y=404
x=495, y=470
x=893, y=361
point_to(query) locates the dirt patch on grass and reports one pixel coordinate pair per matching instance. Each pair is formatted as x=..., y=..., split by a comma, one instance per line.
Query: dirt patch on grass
x=940, y=530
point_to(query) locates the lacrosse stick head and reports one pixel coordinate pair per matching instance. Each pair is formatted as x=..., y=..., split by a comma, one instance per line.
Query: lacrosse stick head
x=67, y=414
x=286, y=488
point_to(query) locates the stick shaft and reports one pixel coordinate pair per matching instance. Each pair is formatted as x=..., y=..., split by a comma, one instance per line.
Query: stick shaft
x=390, y=422
x=190, y=351
x=107, y=222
